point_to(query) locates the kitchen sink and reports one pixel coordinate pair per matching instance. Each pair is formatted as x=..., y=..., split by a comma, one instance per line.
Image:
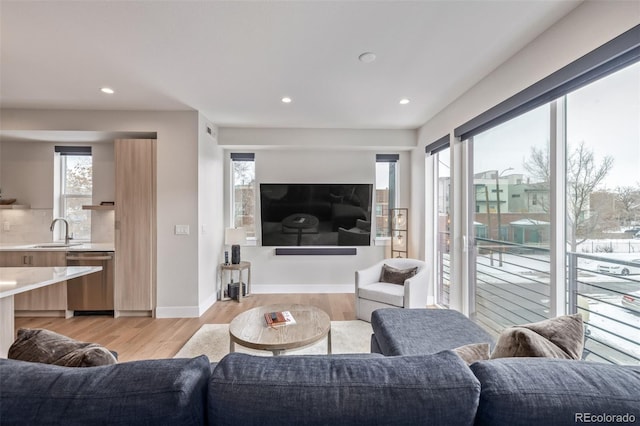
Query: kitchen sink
x=56, y=245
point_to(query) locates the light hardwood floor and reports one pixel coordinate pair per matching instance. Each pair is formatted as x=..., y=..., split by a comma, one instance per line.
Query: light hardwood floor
x=149, y=338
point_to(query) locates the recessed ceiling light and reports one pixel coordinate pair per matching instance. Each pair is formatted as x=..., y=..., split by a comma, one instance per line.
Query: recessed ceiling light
x=367, y=57
x=286, y=100
x=404, y=101
x=107, y=90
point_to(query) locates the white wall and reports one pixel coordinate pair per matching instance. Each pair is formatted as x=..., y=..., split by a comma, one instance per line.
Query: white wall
x=590, y=25
x=210, y=213
x=177, y=186
x=314, y=156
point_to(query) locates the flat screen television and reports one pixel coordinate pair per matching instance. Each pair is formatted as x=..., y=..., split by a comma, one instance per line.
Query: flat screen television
x=297, y=214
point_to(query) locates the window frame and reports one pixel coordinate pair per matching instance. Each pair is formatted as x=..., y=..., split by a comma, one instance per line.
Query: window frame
x=61, y=154
x=394, y=194
x=248, y=157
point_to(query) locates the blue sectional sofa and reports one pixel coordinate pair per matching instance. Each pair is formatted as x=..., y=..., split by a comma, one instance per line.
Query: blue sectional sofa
x=434, y=387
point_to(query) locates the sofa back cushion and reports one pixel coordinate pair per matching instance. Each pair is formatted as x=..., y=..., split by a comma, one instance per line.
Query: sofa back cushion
x=434, y=389
x=158, y=392
x=543, y=391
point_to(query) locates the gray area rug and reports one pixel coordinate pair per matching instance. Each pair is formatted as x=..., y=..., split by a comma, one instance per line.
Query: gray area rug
x=212, y=340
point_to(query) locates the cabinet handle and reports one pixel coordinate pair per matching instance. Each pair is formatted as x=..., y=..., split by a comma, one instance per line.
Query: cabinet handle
x=25, y=260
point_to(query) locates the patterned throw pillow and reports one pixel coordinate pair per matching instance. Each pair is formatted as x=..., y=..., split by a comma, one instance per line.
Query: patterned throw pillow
x=393, y=275
x=560, y=337
x=39, y=345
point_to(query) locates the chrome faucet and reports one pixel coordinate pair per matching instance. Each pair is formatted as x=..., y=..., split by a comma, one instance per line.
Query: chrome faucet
x=66, y=228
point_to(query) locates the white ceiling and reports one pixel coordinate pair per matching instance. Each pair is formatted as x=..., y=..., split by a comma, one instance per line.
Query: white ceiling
x=235, y=60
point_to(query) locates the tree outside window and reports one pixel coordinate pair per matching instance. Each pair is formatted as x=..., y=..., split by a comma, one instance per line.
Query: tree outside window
x=76, y=189
x=244, y=195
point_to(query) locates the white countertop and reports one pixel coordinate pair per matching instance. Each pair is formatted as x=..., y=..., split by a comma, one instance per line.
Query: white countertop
x=50, y=247
x=17, y=280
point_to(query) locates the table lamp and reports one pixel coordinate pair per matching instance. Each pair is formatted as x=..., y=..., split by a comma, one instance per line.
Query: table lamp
x=234, y=237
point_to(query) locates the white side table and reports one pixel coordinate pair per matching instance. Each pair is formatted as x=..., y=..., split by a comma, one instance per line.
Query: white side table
x=231, y=268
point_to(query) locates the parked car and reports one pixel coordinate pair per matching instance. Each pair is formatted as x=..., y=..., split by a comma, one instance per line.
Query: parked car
x=632, y=301
x=618, y=269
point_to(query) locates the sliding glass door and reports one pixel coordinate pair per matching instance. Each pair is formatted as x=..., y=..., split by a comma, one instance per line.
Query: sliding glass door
x=510, y=198
x=592, y=179
x=603, y=214
x=444, y=239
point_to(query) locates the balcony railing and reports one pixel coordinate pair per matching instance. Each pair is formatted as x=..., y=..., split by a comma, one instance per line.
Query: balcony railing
x=513, y=287
x=444, y=269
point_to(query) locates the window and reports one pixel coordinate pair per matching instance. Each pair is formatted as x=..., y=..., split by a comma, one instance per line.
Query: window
x=75, y=189
x=573, y=139
x=386, y=192
x=243, y=193
x=510, y=286
x=443, y=253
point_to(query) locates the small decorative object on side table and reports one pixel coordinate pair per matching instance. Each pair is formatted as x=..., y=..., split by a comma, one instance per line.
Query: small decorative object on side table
x=224, y=292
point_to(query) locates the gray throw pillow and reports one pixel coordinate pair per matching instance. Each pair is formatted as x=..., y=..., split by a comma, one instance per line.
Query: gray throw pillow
x=474, y=352
x=560, y=337
x=393, y=275
x=48, y=347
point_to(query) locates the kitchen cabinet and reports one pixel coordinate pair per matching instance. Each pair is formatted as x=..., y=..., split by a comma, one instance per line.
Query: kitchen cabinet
x=46, y=301
x=135, y=227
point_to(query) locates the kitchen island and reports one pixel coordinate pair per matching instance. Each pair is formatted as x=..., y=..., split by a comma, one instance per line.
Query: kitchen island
x=16, y=280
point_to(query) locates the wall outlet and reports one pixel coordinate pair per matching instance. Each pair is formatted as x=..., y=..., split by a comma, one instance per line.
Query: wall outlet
x=182, y=230
x=6, y=226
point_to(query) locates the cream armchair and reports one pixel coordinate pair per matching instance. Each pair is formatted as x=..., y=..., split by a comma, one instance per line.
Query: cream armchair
x=371, y=294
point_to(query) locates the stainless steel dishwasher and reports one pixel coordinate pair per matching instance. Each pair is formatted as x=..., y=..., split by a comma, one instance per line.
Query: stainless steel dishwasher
x=91, y=294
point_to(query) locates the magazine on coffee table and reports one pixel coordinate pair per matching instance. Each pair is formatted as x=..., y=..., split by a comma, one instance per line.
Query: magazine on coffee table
x=277, y=319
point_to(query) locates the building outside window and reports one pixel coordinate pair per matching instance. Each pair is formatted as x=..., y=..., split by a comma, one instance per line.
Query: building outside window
x=243, y=193
x=75, y=189
x=386, y=192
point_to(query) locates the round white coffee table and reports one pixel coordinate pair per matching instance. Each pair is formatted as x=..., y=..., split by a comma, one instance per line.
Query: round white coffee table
x=249, y=329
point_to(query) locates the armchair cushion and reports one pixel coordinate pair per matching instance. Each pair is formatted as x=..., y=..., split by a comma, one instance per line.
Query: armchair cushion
x=392, y=275
x=391, y=294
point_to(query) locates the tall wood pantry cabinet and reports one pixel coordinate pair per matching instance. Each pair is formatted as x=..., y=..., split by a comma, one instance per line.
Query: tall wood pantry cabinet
x=135, y=227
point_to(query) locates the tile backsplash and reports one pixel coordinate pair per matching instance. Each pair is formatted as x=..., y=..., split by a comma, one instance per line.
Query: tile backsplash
x=18, y=226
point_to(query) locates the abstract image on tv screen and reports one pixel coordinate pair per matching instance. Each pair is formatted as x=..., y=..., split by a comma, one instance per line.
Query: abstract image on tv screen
x=315, y=214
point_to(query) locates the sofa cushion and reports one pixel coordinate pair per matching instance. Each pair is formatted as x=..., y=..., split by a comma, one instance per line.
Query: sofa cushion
x=424, y=331
x=560, y=337
x=473, y=352
x=543, y=391
x=158, y=392
x=39, y=345
x=392, y=275
x=320, y=390
x=390, y=294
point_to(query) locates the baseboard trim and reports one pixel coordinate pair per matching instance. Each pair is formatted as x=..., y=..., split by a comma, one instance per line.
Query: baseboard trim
x=177, y=312
x=209, y=302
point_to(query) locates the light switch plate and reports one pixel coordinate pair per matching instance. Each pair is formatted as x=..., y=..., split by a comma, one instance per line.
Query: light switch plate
x=182, y=230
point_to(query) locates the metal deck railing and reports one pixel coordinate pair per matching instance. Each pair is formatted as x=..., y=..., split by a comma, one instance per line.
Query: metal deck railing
x=513, y=287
